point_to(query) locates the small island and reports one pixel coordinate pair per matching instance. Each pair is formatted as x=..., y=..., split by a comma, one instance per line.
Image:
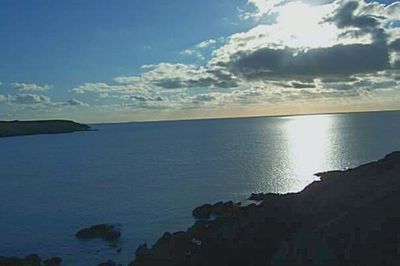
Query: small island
x=23, y=128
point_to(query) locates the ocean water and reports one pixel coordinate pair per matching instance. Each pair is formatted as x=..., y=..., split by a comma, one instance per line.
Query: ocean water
x=147, y=177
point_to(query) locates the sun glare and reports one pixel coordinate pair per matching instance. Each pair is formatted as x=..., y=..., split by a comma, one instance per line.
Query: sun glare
x=309, y=144
x=303, y=27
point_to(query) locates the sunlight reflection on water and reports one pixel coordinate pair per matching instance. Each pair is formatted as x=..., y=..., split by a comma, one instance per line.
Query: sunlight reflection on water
x=309, y=143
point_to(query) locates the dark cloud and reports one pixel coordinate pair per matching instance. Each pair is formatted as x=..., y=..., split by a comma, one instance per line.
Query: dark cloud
x=144, y=99
x=74, y=102
x=215, y=80
x=166, y=83
x=300, y=85
x=339, y=60
x=339, y=79
x=344, y=17
x=395, y=45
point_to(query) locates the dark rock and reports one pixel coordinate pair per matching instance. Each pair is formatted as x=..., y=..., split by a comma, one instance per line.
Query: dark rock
x=107, y=263
x=257, y=196
x=142, y=251
x=30, y=260
x=106, y=232
x=54, y=261
x=33, y=260
x=270, y=197
x=225, y=209
x=203, y=212
x=11, y=261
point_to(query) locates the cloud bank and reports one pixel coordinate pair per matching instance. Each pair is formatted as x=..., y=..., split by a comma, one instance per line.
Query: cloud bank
x=299, y=52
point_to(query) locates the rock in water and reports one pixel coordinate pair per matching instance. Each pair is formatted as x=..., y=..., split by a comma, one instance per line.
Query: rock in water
x=107, y=263
x=33, y=260
x=30, y=260
x=107, y=232
x=55, y=261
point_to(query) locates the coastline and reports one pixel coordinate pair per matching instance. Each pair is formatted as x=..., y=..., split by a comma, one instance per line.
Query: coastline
x=345, y=218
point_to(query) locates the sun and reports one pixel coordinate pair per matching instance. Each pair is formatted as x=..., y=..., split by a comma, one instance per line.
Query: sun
x=302, y=25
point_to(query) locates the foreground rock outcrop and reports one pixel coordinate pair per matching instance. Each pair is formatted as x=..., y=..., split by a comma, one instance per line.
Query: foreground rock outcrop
x=347, y=218
x=22, y=128
x=30, y=260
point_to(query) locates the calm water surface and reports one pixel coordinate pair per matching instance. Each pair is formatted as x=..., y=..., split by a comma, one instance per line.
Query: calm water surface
x=147, y=177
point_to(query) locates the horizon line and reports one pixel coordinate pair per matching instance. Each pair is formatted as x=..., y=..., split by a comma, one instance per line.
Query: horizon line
x=245, y=117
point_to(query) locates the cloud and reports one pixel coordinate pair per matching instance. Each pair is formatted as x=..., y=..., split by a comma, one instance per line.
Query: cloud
x=395, y=45
x=203, y=98
x=38, y=102
x=103, y=88
x=180, y=76
x=3, y=98
x=300, y=50
x=206, y=44
x=140, y=98
x=198, y=49
x=356, y=15
x=301, y=85
x=344, y=17
x=29, y=99
x=193, y=52
x=29, y=87
x=164, y=76
x=74, y=102
x=338, y=60
x=325, y=39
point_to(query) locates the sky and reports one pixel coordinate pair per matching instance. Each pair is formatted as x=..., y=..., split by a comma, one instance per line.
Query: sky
x=112, y=61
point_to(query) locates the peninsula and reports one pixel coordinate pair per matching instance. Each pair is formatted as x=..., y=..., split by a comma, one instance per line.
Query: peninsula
x=23, y=128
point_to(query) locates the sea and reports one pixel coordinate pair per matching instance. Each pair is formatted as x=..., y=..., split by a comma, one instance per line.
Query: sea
x=146, y=177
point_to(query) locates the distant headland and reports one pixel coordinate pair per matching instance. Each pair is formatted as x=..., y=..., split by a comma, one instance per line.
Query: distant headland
x=24, y=128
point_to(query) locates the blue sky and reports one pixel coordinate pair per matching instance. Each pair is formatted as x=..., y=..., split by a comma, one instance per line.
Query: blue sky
x=98, y=61
x=70, y=42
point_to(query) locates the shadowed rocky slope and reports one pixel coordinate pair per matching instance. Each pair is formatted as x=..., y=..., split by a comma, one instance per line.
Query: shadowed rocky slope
x=348, y=218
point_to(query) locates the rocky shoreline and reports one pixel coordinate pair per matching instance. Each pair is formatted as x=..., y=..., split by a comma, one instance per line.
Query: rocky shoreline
x=347, y=218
